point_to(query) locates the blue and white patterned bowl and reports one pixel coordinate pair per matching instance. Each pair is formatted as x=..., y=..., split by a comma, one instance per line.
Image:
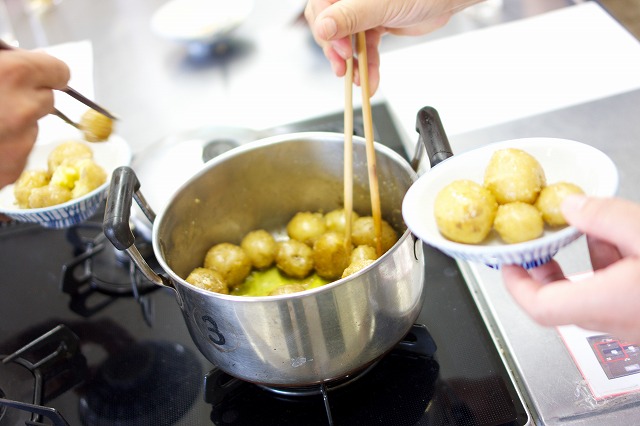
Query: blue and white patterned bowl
x=561, y=159
x=110, y=155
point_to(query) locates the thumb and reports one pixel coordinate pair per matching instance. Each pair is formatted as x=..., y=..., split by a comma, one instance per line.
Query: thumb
x=347, y=17
x=614, y=220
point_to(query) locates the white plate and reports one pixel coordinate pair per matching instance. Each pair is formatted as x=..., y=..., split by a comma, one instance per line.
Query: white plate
x=561, y=159
x=110, y=155
x=199, y=21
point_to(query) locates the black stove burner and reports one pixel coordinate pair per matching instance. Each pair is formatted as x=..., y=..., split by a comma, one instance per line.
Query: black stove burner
x=99, y=274
x=56, y=364
x=149, y=383
x=363, y=398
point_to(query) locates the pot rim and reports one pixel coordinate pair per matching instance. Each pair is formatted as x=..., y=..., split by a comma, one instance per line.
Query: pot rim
x=261, y=143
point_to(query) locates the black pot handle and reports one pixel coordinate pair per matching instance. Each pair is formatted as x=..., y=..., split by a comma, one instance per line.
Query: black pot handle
x=432, y=136
x=123, y=189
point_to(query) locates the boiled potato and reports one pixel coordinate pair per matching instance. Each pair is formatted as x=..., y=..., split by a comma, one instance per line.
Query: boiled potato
x=330, y=256
x=208, y=279
x=28, y=180
x=287, y=289
x=261, y=248
x=335, y=220
x=47, y=196
x=517, y=222
x=356, y=266
x=294, y=258
x=96, y=126
x=363, y=252
x=306, y=227
x=514, y=175
x=464, y=211
x=550, y=200
x=363, y=233
x=69, y=150
x=90, y=177
x=65, y=175
x=230, y=261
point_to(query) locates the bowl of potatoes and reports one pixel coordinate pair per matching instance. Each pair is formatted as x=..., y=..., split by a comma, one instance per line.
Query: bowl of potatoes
x=500, y=204
x=64, y=181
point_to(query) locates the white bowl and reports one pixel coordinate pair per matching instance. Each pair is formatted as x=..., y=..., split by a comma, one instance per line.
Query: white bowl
x=109, y=155
x=199, y=21
x=561, y=159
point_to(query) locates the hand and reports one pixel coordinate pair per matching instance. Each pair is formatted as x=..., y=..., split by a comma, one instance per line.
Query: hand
x=26, y=82
x=333, y=22
x=608, y=300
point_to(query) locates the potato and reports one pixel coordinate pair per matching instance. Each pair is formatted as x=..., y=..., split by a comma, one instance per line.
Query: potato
x=464, y=211
x=47, y=196
x=28, y=180
x=90, y=177
x=335, y=220
x=550, y=200
x=65, y=175
x=514, y=175
x=69, y=150
x=517, y=222
x=294, y=258
x=306, y=227
x=356, y=266
x=363, y=252
x=330, y=256
x=363, y=233
x=261, y=248
x=208, y=279
x=96, y=126
x=230, y=261
x=287, y=289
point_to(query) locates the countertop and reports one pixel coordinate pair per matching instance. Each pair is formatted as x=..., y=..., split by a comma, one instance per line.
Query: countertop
x=269, y=72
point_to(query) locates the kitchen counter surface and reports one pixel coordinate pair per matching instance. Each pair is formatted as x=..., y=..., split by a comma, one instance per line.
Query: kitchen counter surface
x=269, y=73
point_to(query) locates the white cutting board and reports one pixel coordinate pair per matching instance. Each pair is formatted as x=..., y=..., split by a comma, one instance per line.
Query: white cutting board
x=513, y=70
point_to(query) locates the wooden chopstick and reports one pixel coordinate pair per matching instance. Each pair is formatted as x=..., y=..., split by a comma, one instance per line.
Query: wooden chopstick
x=348, y=153
x=368, y=134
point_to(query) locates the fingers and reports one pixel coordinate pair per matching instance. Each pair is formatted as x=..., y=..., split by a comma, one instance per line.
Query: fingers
x=14, y=150
x=602, y=253
x=35, y=69
x=332, y=20
x=607, y=301
x=55, y=73
x=373, y=38
x=614, y=220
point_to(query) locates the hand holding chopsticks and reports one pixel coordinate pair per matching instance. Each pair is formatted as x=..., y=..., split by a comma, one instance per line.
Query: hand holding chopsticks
x=71, y=92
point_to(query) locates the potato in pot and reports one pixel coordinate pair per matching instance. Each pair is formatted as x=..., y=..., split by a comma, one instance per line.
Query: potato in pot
x=335, y=220
x=330, y=256
x=208, y=280
x=363, y=233
x=261, y=248
x=306, y=227
x=230, y=261
x=294, y=258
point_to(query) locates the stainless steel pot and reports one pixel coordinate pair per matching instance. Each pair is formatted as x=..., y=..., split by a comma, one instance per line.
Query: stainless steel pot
x=292, y=340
